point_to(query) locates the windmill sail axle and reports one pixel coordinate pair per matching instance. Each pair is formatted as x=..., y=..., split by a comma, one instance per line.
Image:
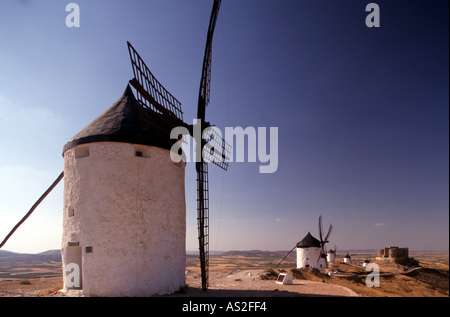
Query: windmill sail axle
x=202, y=167
x=285, y=257
x=36, y=204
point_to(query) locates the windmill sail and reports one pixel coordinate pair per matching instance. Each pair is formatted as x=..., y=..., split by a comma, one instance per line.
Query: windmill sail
x=216, y=150
x=201, y=167
x=158, y=107
x=203, y=220
x=205, y=83
x=323, y=241
x=285, y=257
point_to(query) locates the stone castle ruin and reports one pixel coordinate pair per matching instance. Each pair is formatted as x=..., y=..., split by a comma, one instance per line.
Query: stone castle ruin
x=394, y=254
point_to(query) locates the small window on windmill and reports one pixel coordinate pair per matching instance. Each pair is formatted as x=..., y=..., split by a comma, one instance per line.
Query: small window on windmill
x=88, y=249
x=141, y=151
x=82, y=151
x=71, y=211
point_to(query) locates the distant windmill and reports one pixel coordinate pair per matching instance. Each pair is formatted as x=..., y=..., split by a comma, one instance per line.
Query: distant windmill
x=347, y=259
x=323, y=241
x=124, y=206
x=331, y=254
x=310, y=248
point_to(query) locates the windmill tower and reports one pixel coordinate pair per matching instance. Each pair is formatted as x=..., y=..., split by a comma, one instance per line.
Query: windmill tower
x=348, y=259
x=309, y=252
x=124, y=221
x=331, y=255
x=124, y=198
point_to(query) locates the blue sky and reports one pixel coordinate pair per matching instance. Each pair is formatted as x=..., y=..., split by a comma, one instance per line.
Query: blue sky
x=362, y=113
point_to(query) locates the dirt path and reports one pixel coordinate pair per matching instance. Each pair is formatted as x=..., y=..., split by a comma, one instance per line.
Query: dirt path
x=238, y=283
x=247, y=283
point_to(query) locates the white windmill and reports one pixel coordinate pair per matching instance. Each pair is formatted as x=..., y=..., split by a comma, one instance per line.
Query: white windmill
x=347, y=259
x=311, y=252
x=124, y=224
x=331, y=255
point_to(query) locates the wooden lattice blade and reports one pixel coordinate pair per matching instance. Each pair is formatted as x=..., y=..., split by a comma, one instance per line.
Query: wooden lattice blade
x=203, y=220
x=216, y=150
x=159, y=107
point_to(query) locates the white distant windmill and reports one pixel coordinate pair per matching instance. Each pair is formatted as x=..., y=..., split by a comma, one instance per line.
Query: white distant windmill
x=323, y=242
x=331, y=255
x=311, y=252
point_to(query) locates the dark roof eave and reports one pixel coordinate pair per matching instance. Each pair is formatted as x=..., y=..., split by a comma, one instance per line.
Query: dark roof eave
x=121, y=122
x=117, y=138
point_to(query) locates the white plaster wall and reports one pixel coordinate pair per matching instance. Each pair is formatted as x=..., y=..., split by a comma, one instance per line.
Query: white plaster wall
x=331, y=257
x=308, y=256
x=131, y=211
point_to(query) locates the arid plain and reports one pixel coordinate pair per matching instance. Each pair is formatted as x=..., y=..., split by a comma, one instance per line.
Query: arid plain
x=251, y=273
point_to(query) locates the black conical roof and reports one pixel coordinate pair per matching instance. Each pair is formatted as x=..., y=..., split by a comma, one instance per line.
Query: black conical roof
x=121, y=123
x=308, y=242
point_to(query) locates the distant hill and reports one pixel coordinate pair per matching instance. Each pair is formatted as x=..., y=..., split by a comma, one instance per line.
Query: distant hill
x=51, y=252
x=47, y=256
x=55, y=255
x=253, y=253
x=4, y=253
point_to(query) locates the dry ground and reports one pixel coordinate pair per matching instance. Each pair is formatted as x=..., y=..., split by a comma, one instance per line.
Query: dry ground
x=432, y=280
x=37, y=287
x=239, y=276
x=248, y=283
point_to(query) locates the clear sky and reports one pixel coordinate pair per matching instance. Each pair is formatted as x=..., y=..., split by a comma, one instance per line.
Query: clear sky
x=362, y=113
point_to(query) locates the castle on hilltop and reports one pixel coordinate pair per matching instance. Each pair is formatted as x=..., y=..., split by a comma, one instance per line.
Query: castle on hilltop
x=394, y=254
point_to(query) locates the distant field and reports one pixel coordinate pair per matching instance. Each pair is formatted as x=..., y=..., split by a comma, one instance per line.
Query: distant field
x=440, y=257
x=432, y=280
x=265, y=259
x=16, y=266
x=32, y=270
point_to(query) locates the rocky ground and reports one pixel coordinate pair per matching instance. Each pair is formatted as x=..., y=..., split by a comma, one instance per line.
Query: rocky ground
x=431, y=280
x=238, y=283
x=253, y=283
